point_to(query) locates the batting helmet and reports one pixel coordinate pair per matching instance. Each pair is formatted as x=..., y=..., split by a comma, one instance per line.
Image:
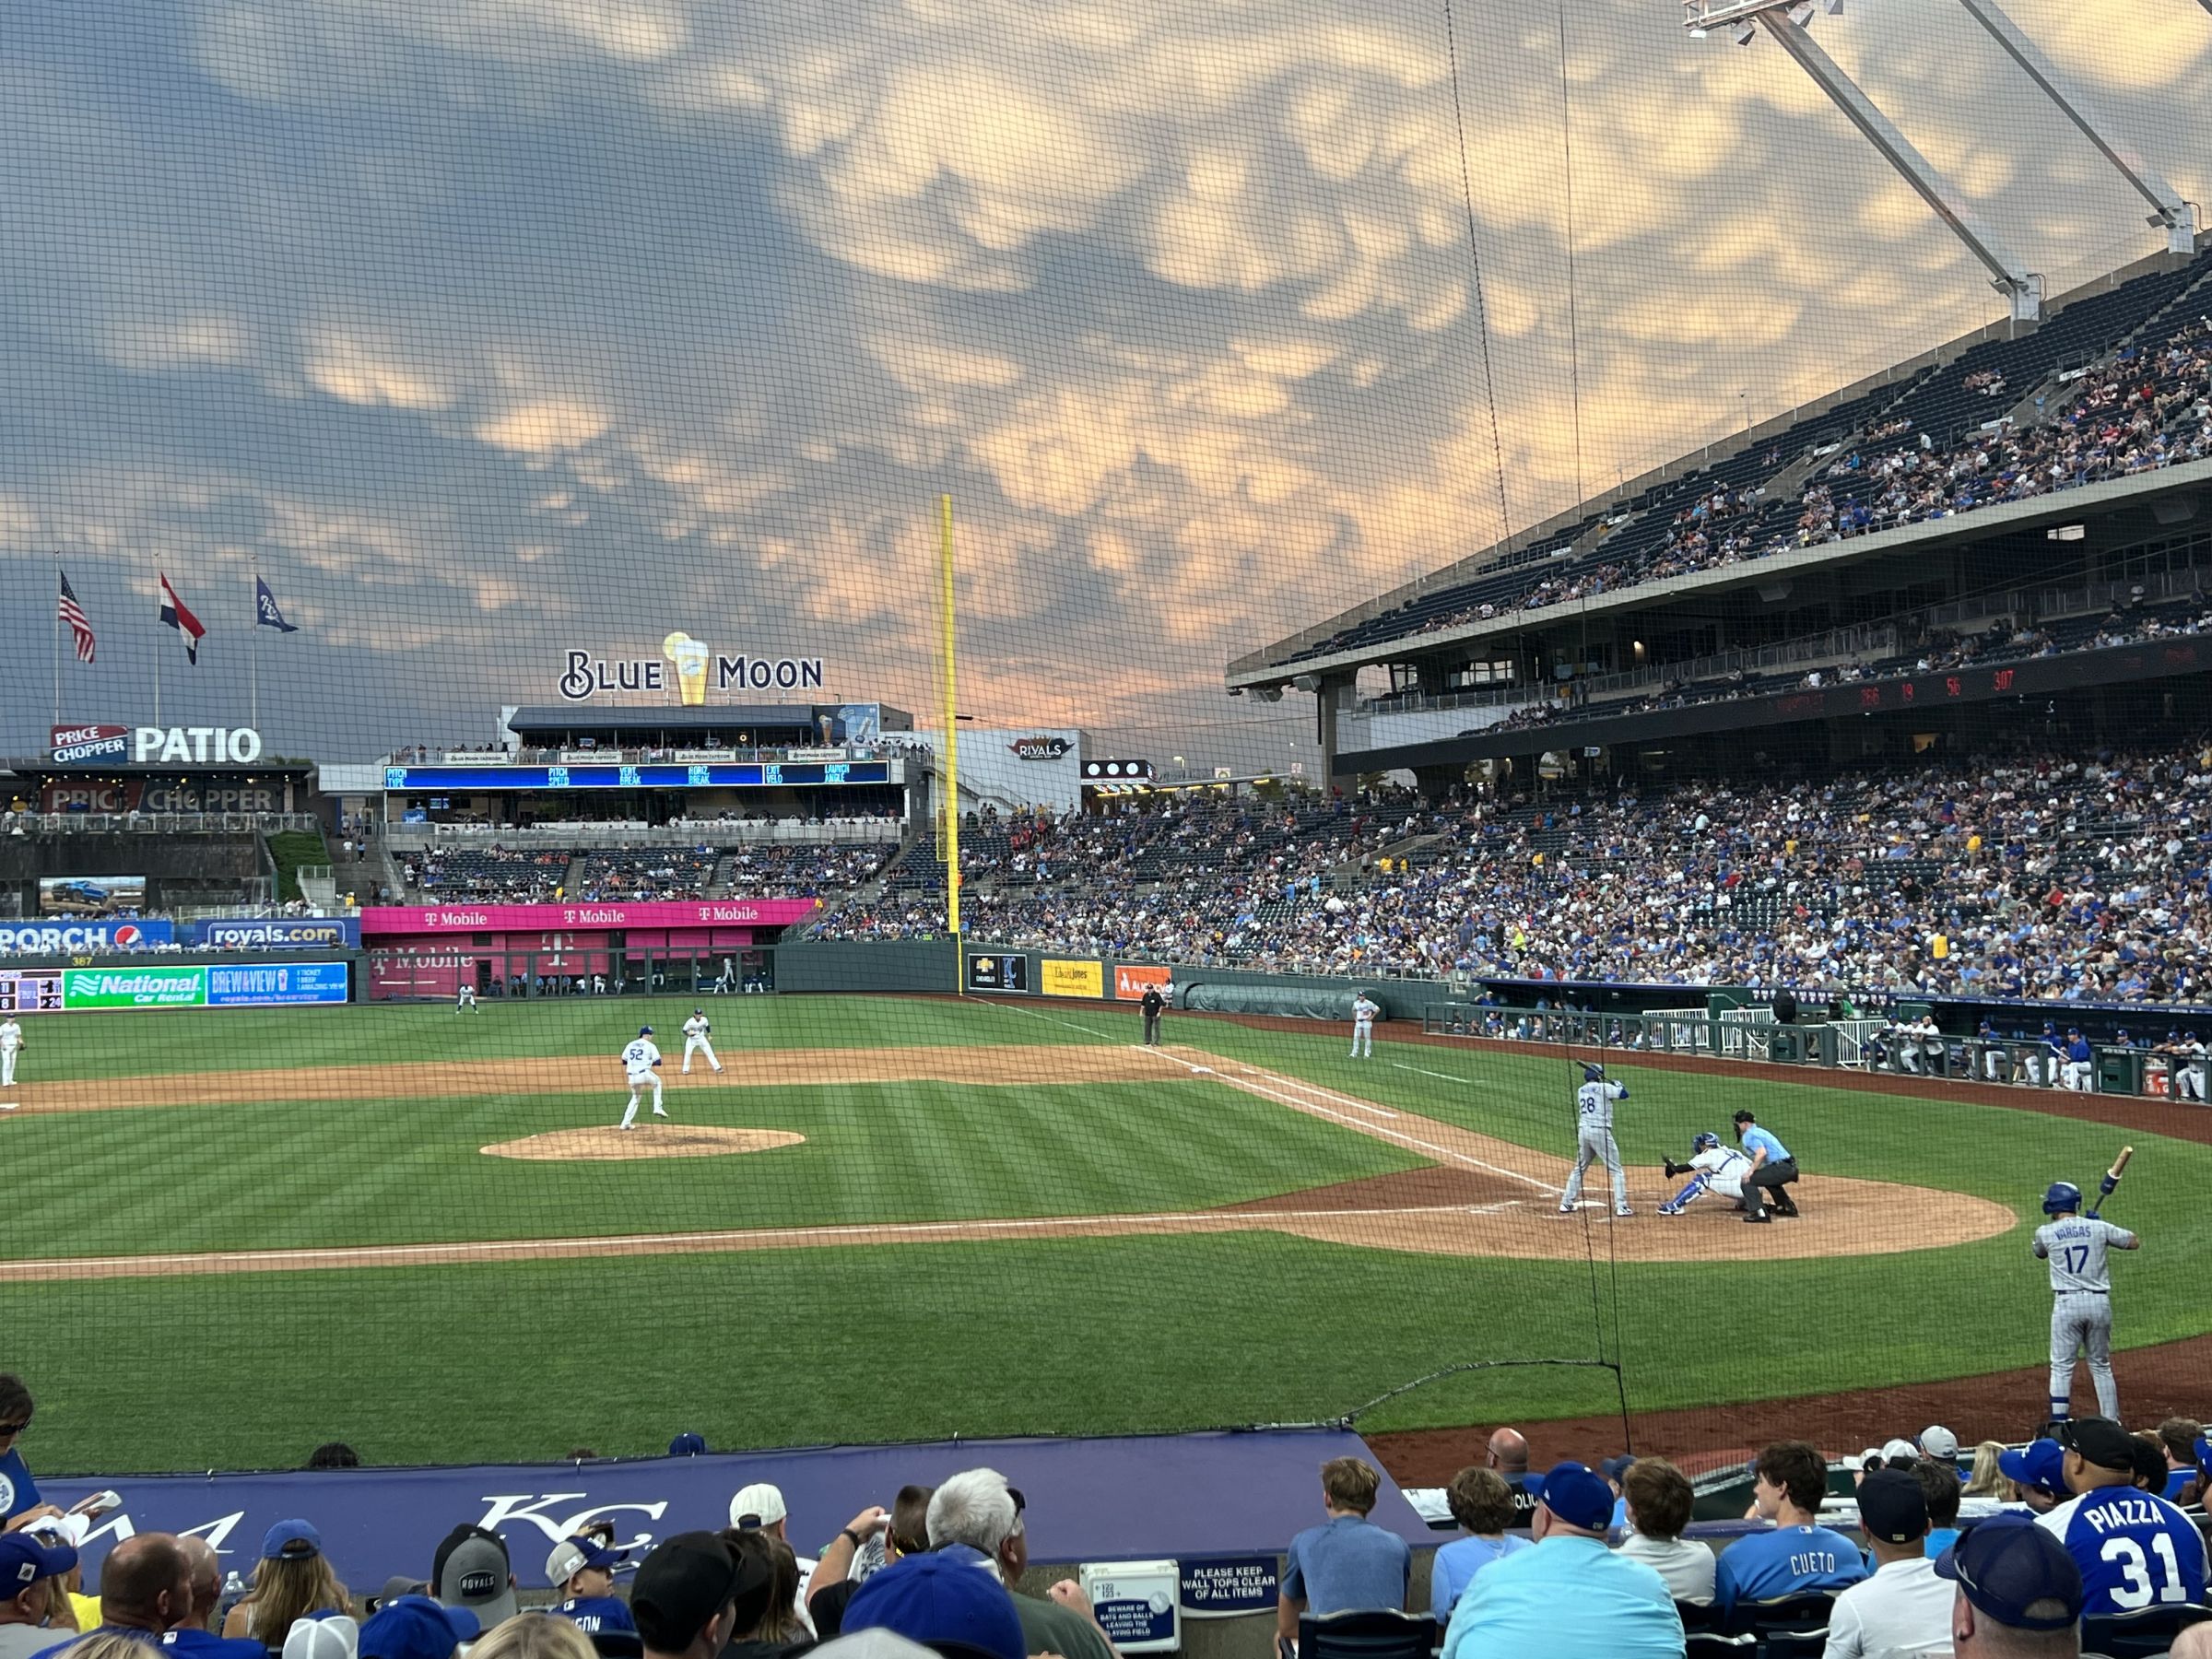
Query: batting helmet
x=644, y=1030
x=1705, y=1142
x=2061, y=1195
x=1592, y=1073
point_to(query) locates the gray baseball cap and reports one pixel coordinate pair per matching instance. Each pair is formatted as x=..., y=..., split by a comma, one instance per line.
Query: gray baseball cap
x=473, y=1572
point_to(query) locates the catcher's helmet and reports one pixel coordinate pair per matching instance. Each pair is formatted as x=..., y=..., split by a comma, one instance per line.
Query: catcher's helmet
x=1705, y=1142
x=2061, y=1195
x=1592, y=1073
x=644, y=1030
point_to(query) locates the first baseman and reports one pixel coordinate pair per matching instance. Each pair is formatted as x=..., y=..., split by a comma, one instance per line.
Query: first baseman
x=11, y=1044
x=2081, y=1295
x=695, y=1041
x=641, y=1060
x=1594, y=1139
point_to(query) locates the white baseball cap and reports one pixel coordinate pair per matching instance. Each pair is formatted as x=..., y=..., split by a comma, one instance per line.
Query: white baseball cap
x=336, y=1637
x=1938, y=1441
x=757, y=1505
x=1902, y=1448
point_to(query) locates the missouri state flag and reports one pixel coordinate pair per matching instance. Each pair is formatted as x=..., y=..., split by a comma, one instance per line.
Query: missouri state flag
x=174, y=615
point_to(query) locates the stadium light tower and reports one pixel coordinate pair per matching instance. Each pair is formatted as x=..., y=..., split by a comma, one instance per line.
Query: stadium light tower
x=2169, y=212
x=1787, y=21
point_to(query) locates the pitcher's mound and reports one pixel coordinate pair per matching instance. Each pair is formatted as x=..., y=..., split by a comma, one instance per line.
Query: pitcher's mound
x=649, y=1139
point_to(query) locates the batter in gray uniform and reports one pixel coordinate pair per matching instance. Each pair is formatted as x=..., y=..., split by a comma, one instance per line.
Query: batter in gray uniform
x=2081, y=1290
x=1594, y=1139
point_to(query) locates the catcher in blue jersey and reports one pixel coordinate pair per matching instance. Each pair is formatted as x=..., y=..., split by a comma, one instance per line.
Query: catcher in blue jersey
x=1712, y=1168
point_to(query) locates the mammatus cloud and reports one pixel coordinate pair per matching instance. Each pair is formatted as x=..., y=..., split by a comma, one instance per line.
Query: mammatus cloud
x=495, y=326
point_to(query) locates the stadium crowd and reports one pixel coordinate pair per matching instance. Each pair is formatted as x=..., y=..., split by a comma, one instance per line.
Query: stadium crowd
x=1572, y=1562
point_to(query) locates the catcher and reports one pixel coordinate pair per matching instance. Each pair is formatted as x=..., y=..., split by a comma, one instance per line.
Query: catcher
x=1712, y=1168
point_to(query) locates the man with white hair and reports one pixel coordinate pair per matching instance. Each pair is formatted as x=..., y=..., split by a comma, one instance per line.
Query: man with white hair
x=977, y=1510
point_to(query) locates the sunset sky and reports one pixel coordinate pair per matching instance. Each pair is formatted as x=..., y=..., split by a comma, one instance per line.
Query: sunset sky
x=487, y=328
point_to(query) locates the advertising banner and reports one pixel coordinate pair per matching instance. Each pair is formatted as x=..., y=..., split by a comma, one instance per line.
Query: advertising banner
x=71, y=938
x=71, y=745
x=94, y=895
x=184, y=985
x=275, y=984
x=1073, y=979
x=281, y=932
x=524, y=918
x=991, y=972
x=1131, y=980
x=132, y=794
x=171, y=987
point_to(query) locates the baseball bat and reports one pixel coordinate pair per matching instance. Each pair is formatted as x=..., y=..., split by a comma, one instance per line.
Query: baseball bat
x=2112, y=1178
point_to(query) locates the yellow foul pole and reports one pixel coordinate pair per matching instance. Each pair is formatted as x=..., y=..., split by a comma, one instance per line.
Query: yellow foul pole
x=952, y=759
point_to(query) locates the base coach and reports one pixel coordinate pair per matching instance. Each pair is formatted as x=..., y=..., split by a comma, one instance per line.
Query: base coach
x=1772, y=1169
x=1152, y=1004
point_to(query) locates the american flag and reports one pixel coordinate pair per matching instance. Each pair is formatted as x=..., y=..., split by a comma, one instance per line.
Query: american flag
x=74, y=614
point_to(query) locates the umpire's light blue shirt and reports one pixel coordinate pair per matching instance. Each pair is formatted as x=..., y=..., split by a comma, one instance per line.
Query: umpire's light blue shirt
x=1346, y=1564
x=1568, y=1598
x=1756, y=1138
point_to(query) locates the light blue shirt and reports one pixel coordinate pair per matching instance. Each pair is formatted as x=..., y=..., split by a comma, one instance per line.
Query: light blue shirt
x=1755, y=1138
x=1565, y=1599
x=1458, y=1563
x=1790, y=1560
x=1346, y=1562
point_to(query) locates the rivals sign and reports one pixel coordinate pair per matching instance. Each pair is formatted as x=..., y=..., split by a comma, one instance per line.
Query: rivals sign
x=1039, y=748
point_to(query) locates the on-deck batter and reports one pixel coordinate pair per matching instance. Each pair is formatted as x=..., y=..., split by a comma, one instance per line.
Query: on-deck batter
x=1594, y=1139
x=695, y=1041
x=639, y=1060
x=2081, y=1295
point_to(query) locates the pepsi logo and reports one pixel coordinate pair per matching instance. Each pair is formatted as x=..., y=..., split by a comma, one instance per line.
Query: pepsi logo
x=129, y=935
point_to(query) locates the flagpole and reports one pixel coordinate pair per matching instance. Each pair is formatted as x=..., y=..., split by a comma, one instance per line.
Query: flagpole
x=56, y=636
x=157, y=650
x=254, y=659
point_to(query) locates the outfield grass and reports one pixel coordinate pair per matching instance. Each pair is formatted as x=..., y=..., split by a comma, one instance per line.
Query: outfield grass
x=1085, y=1336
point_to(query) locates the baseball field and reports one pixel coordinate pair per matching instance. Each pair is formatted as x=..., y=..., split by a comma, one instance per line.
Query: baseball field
x=230, y=1236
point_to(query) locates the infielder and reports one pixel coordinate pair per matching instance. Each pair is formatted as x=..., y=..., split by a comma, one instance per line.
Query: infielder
x=2081, y=1292
x=695, y=1041
x=1712, y=1168
x=1594, y=1139
x=11, y=1044
x=464, y=999
x=639, y=1061
x=1363, y=1026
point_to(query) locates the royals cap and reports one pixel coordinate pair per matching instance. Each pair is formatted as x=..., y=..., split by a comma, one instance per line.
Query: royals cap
x=415, y=1626
x=2040, y=1463
x=573, y=1554
x=1891, y=1507
x=1938, y=1442
x=24, y=1561
x=687, y=1444
x=290, y=1541
x=952, y=1604
x=760, y=1504
x=472, y=1572
x=2010, y=1564
x=2099, y=1441
x=1576, y=1494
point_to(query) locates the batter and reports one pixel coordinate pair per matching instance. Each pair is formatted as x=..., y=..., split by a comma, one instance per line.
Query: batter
x=2081, y=1293
x=1594, y=1139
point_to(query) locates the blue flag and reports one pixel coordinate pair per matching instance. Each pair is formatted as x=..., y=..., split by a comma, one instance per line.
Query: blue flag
x=266, y=614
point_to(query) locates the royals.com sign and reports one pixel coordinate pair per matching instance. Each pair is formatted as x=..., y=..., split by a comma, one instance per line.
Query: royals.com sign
x=293, y=933
x=42, y=938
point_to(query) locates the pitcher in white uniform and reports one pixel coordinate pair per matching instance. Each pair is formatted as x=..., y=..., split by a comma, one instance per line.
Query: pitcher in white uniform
x=695, y=1041
x=1594, y=1139
x=641, y=1060
x=2081, y=1291
x=11, y=1044
x=1364, y=1010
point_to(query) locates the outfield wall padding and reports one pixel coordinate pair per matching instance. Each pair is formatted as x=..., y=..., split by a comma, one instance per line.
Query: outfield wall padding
x=1313, y=1000
x=868, y=965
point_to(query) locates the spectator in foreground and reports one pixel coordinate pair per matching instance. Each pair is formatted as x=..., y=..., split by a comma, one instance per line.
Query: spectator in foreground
x=471, y=1572
x=2119, y=1536
x=32, y=1574
x=692, y=1595
x=415, y=1626
x=1660, y=1502
x=1985, y=1486
x=2195, y=1642
x=145, y=1590
x=2177, y=1437
x=533, y=1638
x=20, y=1503
x=336, y=1637
x=950, y=1603
x=2019, y=1592
x=1569, y=1597
x=778, y=1630
x=1939, y=1486
x=292, y=1579
x=1483, y=1504
x=1904, y=1608
x=760, y=1507
x=835, y=1576
x=196, y=1637
x=1800, y=1557
x=1348, y=1563
x=978, y=1509
x=581, y=1571
x=2038, y=1475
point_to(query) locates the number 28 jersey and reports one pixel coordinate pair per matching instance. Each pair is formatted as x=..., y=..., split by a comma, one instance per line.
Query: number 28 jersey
x=2075, y=1247
x=2134, y=1550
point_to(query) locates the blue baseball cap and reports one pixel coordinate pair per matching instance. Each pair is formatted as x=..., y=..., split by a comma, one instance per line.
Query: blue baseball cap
x=2040, y=1463
x=1576, y=1494
x=2010, y=1563
x=951, y=1601
x=415, y=1626
x=290, y=1541
x=24, y=1561
x=687, y=1444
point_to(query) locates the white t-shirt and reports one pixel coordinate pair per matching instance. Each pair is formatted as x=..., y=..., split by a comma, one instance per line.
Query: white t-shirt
x=639, y=1057
x=11, y=1037
x=1687, y=1567
x=1902, y=1612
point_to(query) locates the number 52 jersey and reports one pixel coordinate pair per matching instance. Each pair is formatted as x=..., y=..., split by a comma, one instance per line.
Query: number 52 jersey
x=2134, y=1550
